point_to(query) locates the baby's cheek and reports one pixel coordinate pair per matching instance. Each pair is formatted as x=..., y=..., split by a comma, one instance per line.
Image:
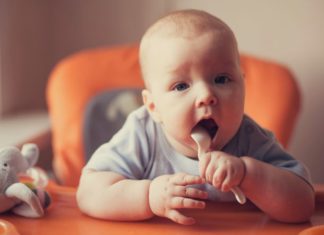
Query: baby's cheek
x=179, y=130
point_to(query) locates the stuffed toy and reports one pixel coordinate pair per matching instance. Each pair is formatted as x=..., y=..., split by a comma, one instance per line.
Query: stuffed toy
x=21, y=198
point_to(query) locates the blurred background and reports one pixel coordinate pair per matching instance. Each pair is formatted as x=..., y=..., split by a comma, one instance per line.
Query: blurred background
x=36, y=34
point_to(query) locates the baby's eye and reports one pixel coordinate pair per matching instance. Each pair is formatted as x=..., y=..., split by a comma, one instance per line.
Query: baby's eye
x=221, y=79
x=181, y=86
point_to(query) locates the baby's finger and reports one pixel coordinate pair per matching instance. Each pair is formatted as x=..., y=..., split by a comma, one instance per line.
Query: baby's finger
x=210, y=172
x=203, y=164
x=188, y=203
x=185, y=179
x=179, y=218
x=218, y=178
x=227, y=184
x=190, y=192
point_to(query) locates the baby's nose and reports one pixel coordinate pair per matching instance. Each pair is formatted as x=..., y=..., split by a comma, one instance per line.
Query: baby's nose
x=206, y=97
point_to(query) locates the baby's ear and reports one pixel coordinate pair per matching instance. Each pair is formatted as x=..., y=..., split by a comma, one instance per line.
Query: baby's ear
x=150, y=105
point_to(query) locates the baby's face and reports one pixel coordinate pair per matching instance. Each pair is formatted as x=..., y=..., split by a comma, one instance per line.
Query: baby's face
x=195, y=81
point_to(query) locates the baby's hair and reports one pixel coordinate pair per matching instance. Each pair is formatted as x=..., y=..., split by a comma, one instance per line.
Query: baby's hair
x=185, y=24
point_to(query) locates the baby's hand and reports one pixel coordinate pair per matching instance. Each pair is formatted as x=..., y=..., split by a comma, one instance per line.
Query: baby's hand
x=168, y=193
x=222, y=170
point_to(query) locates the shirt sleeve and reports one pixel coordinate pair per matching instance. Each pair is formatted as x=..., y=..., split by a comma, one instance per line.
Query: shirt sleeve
x=125, y=153
x=262, y=145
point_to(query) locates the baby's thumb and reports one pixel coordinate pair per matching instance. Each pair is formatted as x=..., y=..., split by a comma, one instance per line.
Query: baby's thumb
x=204, y=160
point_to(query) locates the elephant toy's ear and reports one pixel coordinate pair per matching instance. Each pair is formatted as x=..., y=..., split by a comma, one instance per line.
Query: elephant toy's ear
x=19, y=161
x=30, y=153
x=13, y=158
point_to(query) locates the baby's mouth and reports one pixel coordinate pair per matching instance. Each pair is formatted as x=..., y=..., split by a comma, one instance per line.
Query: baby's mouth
x=209, y=125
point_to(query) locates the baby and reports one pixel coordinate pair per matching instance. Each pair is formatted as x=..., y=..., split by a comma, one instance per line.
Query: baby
x=191, y=68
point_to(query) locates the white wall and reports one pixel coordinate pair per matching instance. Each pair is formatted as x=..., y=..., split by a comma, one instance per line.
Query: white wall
x=78, y=24
x=35, y=34
x=24, y=54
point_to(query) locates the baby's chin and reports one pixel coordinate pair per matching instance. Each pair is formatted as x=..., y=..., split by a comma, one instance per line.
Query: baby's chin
x=192, y=155
x=186, y=150
x=189, y=152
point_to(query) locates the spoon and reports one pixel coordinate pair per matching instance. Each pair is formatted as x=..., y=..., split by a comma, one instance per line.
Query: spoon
x=203, y=141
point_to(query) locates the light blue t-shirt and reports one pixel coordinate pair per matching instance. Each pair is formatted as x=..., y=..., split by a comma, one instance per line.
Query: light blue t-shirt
x=140, y=150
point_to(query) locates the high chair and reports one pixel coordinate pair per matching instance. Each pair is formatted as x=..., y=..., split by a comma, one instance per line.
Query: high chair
x=272, y=99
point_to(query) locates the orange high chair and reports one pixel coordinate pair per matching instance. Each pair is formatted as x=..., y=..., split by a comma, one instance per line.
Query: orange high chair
x=272, y=98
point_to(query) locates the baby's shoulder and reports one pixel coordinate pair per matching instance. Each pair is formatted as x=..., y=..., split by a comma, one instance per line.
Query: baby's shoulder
x=250, y=127
x=141, y=122
x=140, y=116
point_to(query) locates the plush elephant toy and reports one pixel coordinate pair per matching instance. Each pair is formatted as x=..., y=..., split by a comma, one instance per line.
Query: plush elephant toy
x=18, y=197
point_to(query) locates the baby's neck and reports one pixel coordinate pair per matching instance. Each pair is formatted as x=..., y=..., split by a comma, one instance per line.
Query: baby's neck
x=181, y=148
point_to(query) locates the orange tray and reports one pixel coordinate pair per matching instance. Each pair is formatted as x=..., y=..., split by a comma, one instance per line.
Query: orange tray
x=64, y=218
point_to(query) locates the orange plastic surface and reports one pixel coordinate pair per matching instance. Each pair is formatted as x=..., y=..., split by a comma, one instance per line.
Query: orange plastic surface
x=7, y=228
x=272, y=98
x=64, y=218
x=317, y=230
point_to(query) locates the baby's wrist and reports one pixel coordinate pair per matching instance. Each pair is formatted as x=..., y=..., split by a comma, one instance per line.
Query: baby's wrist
x=149, y=196
x=154, y=202
x=149, y=203
x=244, y=172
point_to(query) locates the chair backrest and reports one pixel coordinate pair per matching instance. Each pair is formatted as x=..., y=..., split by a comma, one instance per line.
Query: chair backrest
x=272, y=98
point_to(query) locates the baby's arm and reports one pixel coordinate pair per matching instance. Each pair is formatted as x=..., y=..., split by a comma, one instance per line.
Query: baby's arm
x=278, y=192
x=281, y=194
x=109, y=195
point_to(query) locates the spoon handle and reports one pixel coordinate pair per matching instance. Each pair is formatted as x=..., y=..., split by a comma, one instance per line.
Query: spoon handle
x=239, y=195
